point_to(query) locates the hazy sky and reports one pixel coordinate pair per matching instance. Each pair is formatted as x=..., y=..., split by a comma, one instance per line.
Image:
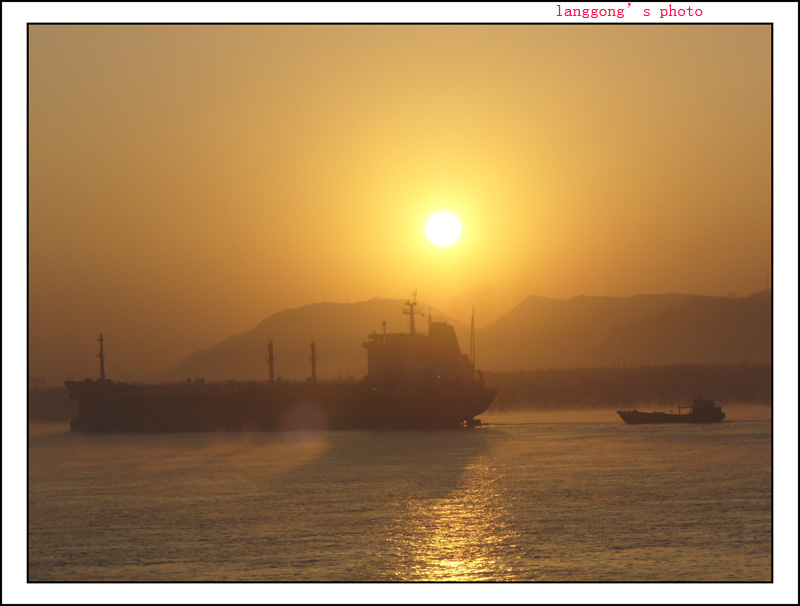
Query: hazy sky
x=185, y=182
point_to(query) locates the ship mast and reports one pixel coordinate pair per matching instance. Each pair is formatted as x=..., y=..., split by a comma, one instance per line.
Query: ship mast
x=411, y=304
x=313, y=362
x=271, y=360
x=472, y=340
x=102, y=359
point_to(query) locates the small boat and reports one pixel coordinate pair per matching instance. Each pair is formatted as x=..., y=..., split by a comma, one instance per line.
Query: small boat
x=701, y=410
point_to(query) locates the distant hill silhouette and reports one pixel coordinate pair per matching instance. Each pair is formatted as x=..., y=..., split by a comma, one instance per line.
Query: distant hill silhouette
x=537, y=333
x=644, y=329
x=338, y=329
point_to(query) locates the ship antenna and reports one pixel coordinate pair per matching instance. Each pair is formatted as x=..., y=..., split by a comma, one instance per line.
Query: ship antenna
x=472, y=340
x=313, y=359
x=271, y=360
x=410, y=311
x=102, y=359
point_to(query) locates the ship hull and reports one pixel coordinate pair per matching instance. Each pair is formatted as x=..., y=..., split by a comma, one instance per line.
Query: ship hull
x=280, y=407
x=634, y=417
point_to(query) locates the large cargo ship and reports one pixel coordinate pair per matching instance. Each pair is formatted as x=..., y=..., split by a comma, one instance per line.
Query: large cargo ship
x=414, y=380
x=701, y=410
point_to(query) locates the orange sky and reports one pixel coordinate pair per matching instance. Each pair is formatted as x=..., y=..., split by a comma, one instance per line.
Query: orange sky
x=185, y=182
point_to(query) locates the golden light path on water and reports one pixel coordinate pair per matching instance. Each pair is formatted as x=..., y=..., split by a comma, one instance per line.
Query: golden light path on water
x=459, y=536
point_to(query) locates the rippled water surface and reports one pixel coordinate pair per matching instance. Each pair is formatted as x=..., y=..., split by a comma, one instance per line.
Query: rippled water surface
x=550, y=502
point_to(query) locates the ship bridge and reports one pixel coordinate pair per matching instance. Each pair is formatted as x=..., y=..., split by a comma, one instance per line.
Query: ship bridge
x=417, y=357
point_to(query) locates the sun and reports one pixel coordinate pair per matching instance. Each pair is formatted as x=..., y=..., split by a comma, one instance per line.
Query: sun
x=443, y=229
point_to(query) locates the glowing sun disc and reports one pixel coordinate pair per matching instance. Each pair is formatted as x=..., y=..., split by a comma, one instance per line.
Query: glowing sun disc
x=443, y=229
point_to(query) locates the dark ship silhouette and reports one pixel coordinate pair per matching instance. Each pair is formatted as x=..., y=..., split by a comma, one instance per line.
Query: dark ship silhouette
x=414, y=381
x=701, y=410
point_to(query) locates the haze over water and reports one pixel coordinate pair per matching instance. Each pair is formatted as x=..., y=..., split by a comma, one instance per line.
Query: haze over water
x=550, y=502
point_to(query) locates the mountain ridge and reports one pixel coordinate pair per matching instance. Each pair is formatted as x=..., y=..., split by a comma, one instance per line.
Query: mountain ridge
x=641, y=329
x=538, y=332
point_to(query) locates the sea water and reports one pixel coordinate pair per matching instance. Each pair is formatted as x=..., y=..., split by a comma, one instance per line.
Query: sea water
x=504, y=502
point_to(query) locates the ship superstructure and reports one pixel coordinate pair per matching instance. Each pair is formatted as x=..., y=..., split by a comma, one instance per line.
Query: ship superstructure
x=413, y=356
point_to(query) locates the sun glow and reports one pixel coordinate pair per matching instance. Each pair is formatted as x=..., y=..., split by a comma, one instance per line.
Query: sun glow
x=443, y=229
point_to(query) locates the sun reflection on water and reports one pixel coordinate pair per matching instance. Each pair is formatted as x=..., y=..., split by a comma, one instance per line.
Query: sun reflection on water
x=461, y=536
